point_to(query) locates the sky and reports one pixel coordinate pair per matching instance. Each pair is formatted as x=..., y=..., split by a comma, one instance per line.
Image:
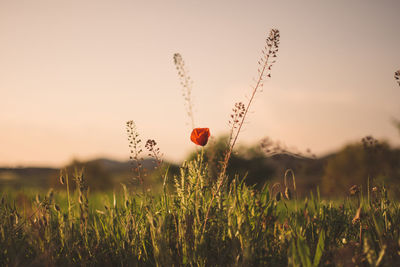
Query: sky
x=72, y=73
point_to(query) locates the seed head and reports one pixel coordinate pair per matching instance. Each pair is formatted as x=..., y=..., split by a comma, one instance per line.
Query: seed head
x=397, y=76
x=354, y=190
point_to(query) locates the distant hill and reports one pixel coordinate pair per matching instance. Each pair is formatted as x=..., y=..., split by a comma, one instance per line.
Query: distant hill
x=333, y=173
x=26, y=177
x=120, y=166
x=95, y=170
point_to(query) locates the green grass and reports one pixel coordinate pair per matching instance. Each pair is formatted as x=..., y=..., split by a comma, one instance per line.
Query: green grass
x=245, y=227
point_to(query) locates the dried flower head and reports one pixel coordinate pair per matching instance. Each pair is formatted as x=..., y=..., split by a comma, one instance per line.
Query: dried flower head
x=238, y=113
x=269, y=51
x=154, y=151
x=135, y=150
x=370, y=144
x=187, y=84
x=235, y=120
x=354, y=190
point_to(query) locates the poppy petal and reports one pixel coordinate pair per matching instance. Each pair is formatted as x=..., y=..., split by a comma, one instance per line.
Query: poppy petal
x=200, y=136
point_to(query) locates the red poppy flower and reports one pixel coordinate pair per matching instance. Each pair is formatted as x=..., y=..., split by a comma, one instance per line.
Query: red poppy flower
x=200, y=136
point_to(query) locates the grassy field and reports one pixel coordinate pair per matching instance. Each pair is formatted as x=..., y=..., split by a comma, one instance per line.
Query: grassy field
x=193, y=224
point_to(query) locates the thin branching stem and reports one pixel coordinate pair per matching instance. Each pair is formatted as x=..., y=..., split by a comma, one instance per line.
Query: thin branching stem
x=271, y=50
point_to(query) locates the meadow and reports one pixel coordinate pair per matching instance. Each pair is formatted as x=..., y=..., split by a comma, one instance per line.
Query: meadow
x=191, y=225
x=202, y=215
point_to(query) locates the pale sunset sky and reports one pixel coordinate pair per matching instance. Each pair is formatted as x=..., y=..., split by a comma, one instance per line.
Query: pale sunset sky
x=72, y=72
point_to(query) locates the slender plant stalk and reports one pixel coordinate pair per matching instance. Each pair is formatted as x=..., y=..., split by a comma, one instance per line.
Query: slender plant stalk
x=68, y=199
x=186, y=83
x=271, y=49
x=135, y=152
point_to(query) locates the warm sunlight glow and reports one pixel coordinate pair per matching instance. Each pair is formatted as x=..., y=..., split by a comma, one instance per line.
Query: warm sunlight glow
x=72, y=73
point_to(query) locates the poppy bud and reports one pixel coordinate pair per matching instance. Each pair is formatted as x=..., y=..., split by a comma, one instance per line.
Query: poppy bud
x=200, y=136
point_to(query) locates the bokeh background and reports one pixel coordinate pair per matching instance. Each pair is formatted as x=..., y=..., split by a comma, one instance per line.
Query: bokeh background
x=73, y=72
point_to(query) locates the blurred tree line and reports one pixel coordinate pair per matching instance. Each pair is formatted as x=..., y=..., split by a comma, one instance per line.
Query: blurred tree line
x=367, y=161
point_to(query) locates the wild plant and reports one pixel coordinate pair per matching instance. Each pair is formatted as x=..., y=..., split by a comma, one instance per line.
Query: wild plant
x=187, y=84
x=240, y=111
x=397, y=79
x=248, y=227
x=64, y=179
x=83, y=199
x=154, y=151
x=135, y=152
